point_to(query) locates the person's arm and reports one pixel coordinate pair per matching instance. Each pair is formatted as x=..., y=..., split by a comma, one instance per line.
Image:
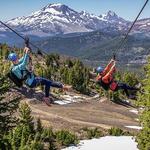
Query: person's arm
x=21, y=59
x=109, y=74
x=108, y=67
x=24, y=61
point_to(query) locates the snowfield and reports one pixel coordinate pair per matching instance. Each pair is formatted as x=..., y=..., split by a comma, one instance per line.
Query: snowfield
x=107, y=143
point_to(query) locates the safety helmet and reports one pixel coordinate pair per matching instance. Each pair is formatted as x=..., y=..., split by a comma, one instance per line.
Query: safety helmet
x=12, y=57
x=99, y=69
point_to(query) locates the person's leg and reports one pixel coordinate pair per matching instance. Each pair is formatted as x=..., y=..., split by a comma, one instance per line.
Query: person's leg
x=48, y=83
x=42, y=81
x=126, y=87
x=56, y=84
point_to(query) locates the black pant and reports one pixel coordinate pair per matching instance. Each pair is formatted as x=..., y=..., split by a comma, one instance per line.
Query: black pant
x=47, y=83
x=125, y=87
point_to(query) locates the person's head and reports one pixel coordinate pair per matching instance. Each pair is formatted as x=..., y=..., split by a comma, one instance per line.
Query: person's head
x=13, y=57
x=99, y=70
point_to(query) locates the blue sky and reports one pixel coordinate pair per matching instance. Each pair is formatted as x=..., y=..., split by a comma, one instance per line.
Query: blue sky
x=127, y=9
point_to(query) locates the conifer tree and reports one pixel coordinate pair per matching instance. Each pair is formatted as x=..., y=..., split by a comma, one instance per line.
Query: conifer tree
x=7, y=109
x=23, y=136
x=39, y=127
x=143, y=137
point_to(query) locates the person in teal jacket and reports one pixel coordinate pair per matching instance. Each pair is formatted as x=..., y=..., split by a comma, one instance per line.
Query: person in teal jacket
x=19, y=68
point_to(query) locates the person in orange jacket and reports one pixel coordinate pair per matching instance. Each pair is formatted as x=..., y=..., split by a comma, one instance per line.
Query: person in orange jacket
x=106, y=80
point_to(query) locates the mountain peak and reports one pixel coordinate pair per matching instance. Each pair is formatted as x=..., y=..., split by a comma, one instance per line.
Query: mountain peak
x=57, y=6
x=58, y=18
x=111, y=13
x=54, y=5
x=85, y=13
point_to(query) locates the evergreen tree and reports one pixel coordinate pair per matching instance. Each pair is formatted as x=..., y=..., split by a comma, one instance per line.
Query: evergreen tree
x=23, y=136
x=25, y=117
x=7, y=109
x=48, y=136
x=143, y=137
x=39, y=127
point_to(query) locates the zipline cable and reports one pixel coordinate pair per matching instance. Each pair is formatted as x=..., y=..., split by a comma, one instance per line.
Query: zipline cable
x=38, y=49
x=126, y=36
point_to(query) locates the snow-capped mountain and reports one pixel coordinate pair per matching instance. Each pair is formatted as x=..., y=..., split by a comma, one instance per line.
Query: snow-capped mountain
x=60, y=19
x=56, y=19
x=143, y=25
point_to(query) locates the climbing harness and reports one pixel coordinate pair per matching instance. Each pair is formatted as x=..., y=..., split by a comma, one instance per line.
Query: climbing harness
x=17, y=81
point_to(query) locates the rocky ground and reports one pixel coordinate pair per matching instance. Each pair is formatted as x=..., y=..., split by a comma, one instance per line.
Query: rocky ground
x=82, y=111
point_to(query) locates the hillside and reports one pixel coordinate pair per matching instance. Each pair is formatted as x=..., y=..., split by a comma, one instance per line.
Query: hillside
x=99, y=46
x=86, y=110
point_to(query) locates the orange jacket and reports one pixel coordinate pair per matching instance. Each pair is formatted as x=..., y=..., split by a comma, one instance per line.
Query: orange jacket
x=108, y=67
x=107, y=75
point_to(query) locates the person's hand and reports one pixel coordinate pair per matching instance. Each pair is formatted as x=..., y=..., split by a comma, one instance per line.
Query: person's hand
x=67, y=87
x=112, y=60
x=26, y=50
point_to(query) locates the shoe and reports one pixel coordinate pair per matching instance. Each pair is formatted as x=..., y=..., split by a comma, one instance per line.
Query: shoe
x=66, y=87
x=47, y=101
x=131, y=97
x=138, y=86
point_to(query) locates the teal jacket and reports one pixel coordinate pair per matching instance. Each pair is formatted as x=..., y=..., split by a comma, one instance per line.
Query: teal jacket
x=19, y=70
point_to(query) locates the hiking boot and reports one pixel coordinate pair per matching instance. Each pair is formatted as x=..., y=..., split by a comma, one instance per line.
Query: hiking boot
x=131, y=97
x=138, y=86
x=66, y=87
x=47, y=101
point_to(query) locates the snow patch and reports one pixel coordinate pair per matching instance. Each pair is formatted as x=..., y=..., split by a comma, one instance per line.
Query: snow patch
x=68, y=99
x=53, y=11
x=107, y=143
x=136, y=119
x=134, y=127
x=134, y=111
x=96, y=96
x=56, y=5
x=62, y=102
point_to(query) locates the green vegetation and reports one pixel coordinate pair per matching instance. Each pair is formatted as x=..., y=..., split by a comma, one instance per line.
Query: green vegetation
x=23, y=133
x=71, y=72
x=143, y=137
x=7, y=109
x=65, y=138
x=98, y=46
x=27, y=135
x=114, y=131
x=93, y=133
